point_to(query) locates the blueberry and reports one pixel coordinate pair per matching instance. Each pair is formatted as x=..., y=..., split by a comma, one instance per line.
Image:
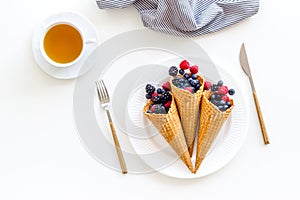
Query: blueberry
x=218, y=96
x=173, y=71
x=222, y=102
x=228, y=103
x=193, y=83
x=181, y=71
x=194, y=76
x=213, y=97
x=186, y=75
x=231, y=92
x=159, y=91
x=221, y=107
x=220, y=83
x=148, y=96
x=198, y=86
x=225, y=107
x=149, y=111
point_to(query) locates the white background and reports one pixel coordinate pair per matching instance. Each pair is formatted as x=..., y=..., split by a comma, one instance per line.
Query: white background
x=41, y=156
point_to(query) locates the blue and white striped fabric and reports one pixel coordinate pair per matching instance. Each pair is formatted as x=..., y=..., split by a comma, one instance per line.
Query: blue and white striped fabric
x=187, y=18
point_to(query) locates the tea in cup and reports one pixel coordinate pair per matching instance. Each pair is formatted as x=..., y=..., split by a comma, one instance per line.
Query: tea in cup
x=63, y=44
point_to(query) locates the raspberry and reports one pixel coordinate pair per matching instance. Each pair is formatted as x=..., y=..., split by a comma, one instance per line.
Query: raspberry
x=225, y=98
x=184, y=65
x=166, y=86
x=194, y=69
x=223, y=90
x=207, y=85
x=168, y=104
x=154, y=94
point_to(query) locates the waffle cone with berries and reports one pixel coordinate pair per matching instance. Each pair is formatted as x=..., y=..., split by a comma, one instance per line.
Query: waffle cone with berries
x=170, y=128
x=188, y=106
x=211, y=122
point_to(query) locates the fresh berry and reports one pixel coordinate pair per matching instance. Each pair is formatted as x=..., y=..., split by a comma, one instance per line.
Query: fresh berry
x=154, y=94
x=222, y=102
x=168, y=104
x=225, y=98
x=159, y=90
x=194, y=76
x=148, y=86
x=165, y=97
x=184, y=65
x=148, y=96
x=198, y=86
x=207, y=85
x=156, y=99
x=166, y=86
x=190, y=89
x=173, y=71
x=175, y=81
x=220, y=83
x=194, y=69
x=160, y=109
x=150, y=89
x=231, y=92
x=181, y=71
x=223, y=90
x=152, y=108
x=228, y=103
x=214, y=87
x=212, y=97
x=186, y=75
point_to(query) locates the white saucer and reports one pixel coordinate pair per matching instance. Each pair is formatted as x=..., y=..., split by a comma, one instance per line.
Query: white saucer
x=75, y=70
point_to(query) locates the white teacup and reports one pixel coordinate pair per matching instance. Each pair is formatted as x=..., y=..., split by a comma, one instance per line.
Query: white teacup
x=63, y=43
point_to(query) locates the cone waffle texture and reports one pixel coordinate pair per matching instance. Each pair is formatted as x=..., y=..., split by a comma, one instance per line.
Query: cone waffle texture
x=211, y=122
x=188, y=107
x=170, y=128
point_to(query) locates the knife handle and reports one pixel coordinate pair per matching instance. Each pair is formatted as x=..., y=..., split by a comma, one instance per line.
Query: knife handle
x=261, y=120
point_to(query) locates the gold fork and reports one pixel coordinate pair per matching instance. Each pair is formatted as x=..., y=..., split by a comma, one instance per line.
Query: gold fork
x=105, y=103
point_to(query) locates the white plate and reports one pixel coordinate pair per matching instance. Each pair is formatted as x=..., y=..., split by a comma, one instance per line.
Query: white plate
x=144, y=57
x=77, y=69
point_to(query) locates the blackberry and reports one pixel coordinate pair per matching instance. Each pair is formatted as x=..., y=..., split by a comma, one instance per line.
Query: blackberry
x=165, y=97
x=156, y=99
x=175, y=81
x=173, y=71
x=150, y=89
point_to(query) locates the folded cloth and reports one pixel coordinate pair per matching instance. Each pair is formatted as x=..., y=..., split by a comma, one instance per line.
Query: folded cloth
x=187, y=18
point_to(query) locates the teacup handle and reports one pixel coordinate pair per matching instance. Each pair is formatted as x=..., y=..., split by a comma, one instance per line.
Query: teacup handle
x=90, y=41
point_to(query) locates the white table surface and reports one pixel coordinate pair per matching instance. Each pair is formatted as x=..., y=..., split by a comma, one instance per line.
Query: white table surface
x=41, y=156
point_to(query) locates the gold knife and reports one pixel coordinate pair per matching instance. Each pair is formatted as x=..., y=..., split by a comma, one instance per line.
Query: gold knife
x=245, y=66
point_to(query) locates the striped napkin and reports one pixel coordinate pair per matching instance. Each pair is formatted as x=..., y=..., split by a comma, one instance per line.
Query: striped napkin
x=187, y=18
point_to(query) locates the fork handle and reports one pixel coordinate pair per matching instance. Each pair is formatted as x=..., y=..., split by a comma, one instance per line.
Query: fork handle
x=117, y=144
x=261, y=120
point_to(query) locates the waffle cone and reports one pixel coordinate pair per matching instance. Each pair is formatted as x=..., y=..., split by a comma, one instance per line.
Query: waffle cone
x=211, y=122
x=188, y=107
x=170, y=128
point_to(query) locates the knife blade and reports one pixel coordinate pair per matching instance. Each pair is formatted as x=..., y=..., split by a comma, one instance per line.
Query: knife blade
x=246, y=68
